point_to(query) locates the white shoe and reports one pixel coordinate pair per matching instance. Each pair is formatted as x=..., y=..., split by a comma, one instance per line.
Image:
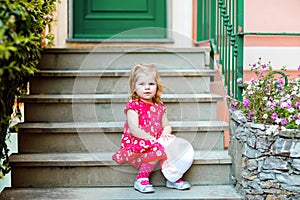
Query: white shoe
x=143, y=188
x=184, y=185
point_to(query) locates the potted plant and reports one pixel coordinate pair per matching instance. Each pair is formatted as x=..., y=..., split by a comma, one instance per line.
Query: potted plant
x=265, y=135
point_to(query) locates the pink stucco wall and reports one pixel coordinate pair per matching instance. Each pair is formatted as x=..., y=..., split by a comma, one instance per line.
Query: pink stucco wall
x=272, y=16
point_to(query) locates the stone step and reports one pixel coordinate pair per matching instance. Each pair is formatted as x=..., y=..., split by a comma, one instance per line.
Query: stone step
x=98, y=169
x=115, y=81
x=124, y=58
x=215, y=192
x=109, y=107
x=106, y=136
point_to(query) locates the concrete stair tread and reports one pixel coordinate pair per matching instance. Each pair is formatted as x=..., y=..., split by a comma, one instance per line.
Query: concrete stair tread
x=120, y=72
x=96, y=81
x=211, y=192
x=117, y=58
x=60, y=127
x=102, y=159
x=104, y=98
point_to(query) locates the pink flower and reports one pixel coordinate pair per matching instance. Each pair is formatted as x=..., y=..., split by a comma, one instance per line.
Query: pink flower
x=272, y=108
x=283, y=121
x=285, y=105
x=246, y=102
x=239, y=80
x=234, y=102
x=274, y=116
x=297, y=105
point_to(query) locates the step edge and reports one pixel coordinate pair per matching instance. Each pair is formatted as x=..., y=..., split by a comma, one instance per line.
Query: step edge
x=119, y=73
x=69, y=127
x=228, y=189
x=216, y=157
x=115, y=98
x=126, y=50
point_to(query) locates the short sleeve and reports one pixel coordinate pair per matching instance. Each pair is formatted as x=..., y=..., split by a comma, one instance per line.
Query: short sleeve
x=162, y=108
x=131, y=105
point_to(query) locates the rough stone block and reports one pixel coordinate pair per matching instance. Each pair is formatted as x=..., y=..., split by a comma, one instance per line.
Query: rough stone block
x=275, y=163
x=289, y=179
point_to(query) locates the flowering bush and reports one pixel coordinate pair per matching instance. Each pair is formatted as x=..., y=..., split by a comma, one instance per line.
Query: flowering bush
x=270, y=98
x=22, y=36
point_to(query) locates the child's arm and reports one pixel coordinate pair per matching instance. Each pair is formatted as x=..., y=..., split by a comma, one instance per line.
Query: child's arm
x=133, y=124
x=167, y=129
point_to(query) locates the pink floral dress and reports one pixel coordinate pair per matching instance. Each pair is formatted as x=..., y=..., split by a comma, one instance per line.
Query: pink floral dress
x=135, y=150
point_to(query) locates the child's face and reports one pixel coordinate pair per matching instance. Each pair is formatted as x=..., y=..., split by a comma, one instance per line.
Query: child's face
x=145, y=87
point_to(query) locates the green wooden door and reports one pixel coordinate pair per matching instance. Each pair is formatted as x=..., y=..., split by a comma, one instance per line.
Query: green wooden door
x=100, y=19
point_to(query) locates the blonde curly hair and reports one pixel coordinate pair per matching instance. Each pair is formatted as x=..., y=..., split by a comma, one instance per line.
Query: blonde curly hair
x=150, y=70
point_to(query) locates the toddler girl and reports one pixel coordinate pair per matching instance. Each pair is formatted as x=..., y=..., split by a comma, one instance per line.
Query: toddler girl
x=146, y=123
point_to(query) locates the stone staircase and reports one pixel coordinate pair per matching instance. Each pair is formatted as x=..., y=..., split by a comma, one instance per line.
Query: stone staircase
x=74, y=120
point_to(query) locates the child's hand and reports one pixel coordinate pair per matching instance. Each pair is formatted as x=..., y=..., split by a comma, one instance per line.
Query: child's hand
x=166, y=137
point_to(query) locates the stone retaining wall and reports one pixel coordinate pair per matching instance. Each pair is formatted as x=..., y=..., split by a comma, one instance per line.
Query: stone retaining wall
x=264, y=166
